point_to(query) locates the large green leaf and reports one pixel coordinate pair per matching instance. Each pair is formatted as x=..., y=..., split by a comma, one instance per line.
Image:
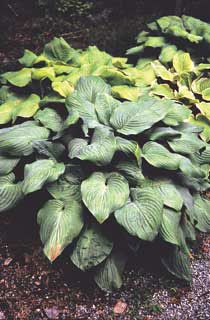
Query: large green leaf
x=159, y=157
x=50, y=119
x=104, y=193
x=169, y=230
x=7, y=164
x=177, y=113
x=109, y=275
x=92, y=248
x=10, y=192
x=134, y=118
x=39, y=173
x=100, y=151
x=18, y=140
x=129, y=147
x=142, y=216
x=60, y=222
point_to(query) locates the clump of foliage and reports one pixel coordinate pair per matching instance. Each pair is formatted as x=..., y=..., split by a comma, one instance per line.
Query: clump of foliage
x=117, y=173
x=175, y=74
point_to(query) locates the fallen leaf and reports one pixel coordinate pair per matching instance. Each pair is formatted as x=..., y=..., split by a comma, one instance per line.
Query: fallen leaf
x=2, y=316
x=52, y=313
x=7, y=261
x=120, y=307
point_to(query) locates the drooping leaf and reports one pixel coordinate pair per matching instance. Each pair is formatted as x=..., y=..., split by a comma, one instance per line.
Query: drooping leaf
x=161, y=71
x=92, y=248
x=109, y=275
x=131, y=171
x=60, y=222
x=177, y=263
x=104, y=193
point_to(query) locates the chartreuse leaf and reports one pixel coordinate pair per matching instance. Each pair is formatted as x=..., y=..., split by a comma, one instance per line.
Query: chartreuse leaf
x=182, y=63
x=204, y=108
x=28, y=59
x=39, y=173
x=10, y=192
x=161, y=71
x=126, y=92
x=19, y=78
x=109, y=275
x=177, y=263
x=100, y=151
x=64, y=88
x=163, y=90
x=26, y=108
x=18, y=140
x=142, y=216
x=104, y=193
x=202, y=213
x=200, y=85
x=92, y=248
x=50, y=119
x=16, y=106
x=60, y=222
x=169, y=230
x=43, y=73
x=134, y=118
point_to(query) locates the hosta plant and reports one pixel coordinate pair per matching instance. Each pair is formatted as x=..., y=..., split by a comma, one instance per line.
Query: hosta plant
x=115, y=173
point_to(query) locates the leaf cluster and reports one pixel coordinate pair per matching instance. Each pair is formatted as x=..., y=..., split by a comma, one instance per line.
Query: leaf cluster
x=116, y=172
